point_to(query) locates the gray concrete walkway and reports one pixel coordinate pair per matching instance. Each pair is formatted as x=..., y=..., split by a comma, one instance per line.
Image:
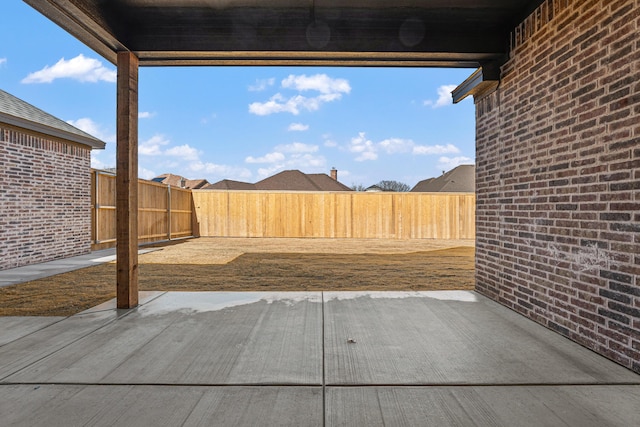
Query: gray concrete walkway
x=27, y=273
x=445, y=358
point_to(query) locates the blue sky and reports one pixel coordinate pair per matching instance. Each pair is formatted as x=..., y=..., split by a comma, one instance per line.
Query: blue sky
x=247, y=123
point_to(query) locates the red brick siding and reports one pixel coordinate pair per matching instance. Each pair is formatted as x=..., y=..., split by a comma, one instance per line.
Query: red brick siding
x=558, y=177
x=44, y=197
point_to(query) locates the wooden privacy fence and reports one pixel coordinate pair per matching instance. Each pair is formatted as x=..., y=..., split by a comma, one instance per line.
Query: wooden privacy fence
x=339, y=214
x=164, y=212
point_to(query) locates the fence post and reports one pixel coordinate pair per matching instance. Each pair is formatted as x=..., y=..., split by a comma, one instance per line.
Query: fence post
x=96, y=205
x=169, y=210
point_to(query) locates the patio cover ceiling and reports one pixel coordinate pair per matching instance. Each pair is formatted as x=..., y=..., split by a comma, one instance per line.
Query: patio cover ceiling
x=439, y=33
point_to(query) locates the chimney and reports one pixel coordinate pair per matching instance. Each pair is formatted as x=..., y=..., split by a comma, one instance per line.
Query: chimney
x=334, y=173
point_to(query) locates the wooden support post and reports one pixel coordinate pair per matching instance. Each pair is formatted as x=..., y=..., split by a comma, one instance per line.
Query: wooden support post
x=127, y=181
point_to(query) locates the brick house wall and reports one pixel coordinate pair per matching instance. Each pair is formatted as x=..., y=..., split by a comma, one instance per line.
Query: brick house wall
x=558, y=176
x=44, y=197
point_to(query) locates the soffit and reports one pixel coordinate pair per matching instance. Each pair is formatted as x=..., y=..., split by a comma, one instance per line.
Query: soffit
x=448, y=33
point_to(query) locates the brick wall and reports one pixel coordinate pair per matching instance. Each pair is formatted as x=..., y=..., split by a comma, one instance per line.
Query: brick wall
x=44, y=198
x=558, y=176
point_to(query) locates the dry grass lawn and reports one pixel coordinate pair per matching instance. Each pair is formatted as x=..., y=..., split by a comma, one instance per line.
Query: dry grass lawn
x=234, y=264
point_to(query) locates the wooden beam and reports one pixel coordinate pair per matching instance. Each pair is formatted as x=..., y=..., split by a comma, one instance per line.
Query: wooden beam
x=127, y=181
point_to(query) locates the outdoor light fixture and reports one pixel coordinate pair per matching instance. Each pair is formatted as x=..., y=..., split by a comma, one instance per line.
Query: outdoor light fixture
x=411, y=32
x=318, y=32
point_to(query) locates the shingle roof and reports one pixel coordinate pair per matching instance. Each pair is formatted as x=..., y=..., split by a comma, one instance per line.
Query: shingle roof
x=461, y=179
x=16, y=112
x=291, y=180
x=177, y=181
x=326, y=183
x=228, y=184
x=294, y=180
x=195, y=184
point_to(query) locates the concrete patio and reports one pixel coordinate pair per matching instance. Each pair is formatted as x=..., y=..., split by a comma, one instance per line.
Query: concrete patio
x=309, y=358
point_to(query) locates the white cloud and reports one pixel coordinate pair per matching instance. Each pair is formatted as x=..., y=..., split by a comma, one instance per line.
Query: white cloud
x=368, y=150
x=396, y=145
x=79, y=68
x=303, y=161
x=96, y=163
x=197, y=166
x=3, y=61
x=146, y=115
x=153, y=146
x=444, y=97
x=448, y=163
x=328, y=141
x=184, y=160
x=276, y=104
x=87, y=125
x=220, y=171
x=290, y=156
x=265, y=172
x=330, y=90
x=104, y=159
x=268, y=158
x=185, y=152
x=298, y=127
x=435, y=149
x=279, y=104
x=363, y=147
x=146, y=173
x=318, y=82
x=158, y=145
x=262, y=84
x=297, y=147
x=211, y=117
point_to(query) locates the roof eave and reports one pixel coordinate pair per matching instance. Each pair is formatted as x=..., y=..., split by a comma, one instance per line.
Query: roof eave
x=478, y=84
x=51, y=131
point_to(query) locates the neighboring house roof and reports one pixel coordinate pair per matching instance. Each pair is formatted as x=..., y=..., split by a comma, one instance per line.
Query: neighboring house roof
x=326, y=183
x=373, y=189
x=294, y=180
x=291, y=180
x=16, y=112
x=461, y=179
x=228, y=184
x=195, y=184
x=180, y=181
